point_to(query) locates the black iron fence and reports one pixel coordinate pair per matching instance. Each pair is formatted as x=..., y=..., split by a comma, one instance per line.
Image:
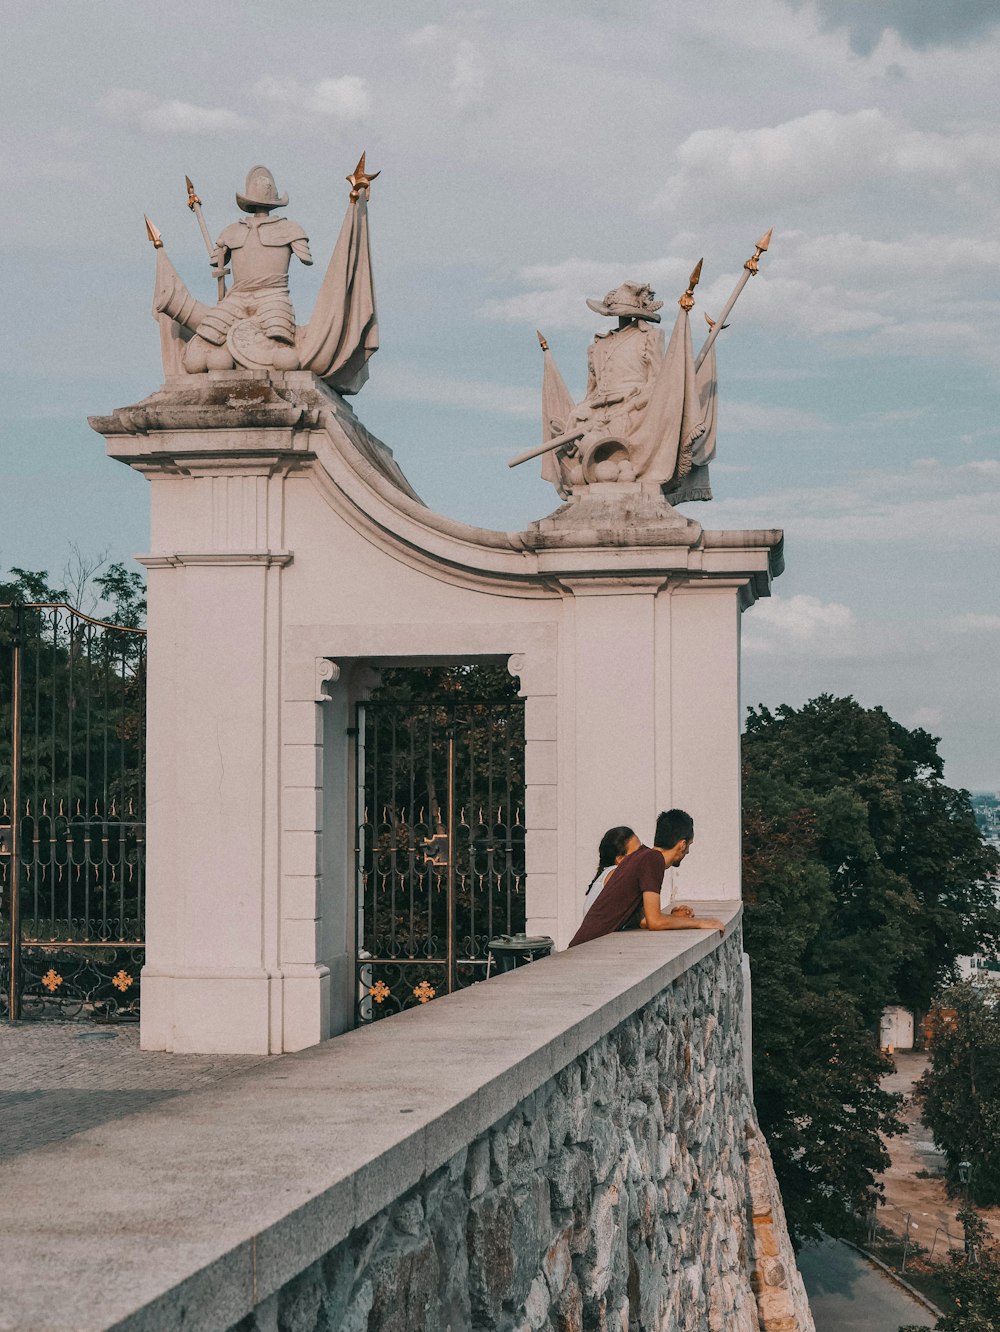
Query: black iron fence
x=72, y=814
x=440, y=846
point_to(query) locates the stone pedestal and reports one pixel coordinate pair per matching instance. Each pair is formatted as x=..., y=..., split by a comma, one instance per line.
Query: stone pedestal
x=289, y=556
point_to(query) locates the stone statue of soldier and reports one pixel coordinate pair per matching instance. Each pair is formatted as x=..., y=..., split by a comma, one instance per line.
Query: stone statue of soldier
x=254, y=322
x=621, y=367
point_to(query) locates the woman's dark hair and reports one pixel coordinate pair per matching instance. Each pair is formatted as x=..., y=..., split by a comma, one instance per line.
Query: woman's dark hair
x=612, y=846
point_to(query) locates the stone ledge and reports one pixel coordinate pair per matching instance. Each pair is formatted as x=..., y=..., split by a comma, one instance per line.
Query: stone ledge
x=196, y=1210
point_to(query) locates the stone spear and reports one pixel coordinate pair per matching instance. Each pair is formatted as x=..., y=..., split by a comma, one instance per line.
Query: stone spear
x=749, y=269
x=194, y=203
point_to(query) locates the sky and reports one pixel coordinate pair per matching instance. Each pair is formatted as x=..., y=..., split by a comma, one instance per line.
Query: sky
x=534, y=153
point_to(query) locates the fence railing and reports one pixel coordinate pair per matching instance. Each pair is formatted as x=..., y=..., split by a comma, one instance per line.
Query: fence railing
x=72, y=813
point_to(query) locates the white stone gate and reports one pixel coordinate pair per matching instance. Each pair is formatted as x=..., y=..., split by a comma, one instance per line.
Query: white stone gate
x=288, y=557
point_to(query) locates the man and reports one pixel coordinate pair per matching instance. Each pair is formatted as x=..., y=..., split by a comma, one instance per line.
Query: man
x=631, y=896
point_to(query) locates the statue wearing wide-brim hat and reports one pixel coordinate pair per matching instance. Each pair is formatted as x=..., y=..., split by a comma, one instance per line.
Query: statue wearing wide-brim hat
x=632, y=300
x=260, y=192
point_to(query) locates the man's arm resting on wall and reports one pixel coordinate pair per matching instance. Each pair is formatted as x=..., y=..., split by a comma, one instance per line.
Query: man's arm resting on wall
x=656, y=920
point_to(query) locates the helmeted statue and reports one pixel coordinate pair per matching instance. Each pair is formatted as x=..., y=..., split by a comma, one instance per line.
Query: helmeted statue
x=253, y=324
x=259, y=249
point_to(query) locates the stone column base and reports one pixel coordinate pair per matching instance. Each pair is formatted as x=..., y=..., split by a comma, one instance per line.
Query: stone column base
x=232, y=1010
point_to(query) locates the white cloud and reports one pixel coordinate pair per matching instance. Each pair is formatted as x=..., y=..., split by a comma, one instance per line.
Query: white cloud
x=925, y=718
x=826, y=151
x=936, y=508
x=974, y=623
x=429, y=35
x=985, y=466
x=166, y=115
x=346, y=99
x=557, y=293
x=405, y=385
x=802, y=624
x=917, y=294
x=768, y=419
x=468, y=77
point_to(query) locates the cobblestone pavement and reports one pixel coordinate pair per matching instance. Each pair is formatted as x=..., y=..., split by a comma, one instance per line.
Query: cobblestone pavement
x=59, y=1078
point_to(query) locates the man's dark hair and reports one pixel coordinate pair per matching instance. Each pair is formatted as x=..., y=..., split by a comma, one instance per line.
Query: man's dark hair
x=673, y=826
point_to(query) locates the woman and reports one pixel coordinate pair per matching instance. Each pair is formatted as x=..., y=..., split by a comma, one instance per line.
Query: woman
x=616, y=844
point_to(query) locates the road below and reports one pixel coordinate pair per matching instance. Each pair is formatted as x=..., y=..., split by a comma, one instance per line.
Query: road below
x=849, y=1294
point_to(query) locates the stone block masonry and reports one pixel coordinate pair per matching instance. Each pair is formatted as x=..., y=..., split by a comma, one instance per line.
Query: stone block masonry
x=631, y=1191
x=571, y=1145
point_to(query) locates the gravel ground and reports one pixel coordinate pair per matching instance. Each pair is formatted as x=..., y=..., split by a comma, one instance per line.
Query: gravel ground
x=932, y=1212
x=59, y=1078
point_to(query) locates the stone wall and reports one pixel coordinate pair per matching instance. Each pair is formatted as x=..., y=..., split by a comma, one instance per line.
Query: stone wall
x=632, y=1190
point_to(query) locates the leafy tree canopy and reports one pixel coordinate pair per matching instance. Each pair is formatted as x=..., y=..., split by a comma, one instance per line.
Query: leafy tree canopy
x=864, y=878
x=110, y=592
x=961, y=1088
x=972, y=1280
x=474, y=682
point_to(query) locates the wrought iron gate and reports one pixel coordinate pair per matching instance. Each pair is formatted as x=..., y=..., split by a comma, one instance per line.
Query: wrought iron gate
x=440, y=846
x=72, y=831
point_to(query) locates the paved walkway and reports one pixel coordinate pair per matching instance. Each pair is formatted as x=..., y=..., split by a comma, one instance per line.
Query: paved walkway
x=849, y=1294
x=59, y=1078
x=925, y=1200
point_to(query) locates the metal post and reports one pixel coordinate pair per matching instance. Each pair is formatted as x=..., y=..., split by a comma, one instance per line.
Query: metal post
x=451, y=857
x=14, y=998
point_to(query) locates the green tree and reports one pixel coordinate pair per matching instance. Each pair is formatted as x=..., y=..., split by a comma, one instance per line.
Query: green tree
x=961, y=1089
x=816, y=1067
x=864, y=878
x=972, y=1280
x=123, y=593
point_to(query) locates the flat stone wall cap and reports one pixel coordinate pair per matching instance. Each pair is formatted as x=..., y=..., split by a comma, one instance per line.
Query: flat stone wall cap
x=208, y=1184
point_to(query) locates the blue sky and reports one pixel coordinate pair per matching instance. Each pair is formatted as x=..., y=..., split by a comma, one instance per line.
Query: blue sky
x=534, y=154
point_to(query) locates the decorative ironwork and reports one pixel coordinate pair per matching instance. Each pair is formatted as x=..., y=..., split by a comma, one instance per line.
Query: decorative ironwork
x=440, y=846
x=72, y=808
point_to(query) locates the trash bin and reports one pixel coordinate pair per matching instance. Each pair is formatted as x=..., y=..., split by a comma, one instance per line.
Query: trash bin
x=508, y=951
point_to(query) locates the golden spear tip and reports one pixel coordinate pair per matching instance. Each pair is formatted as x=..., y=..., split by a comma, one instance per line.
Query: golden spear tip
x=762, y=244
x=541, y=341
x=686, y=302
x=192, y=201
x=360, y=179
x=153, y=234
